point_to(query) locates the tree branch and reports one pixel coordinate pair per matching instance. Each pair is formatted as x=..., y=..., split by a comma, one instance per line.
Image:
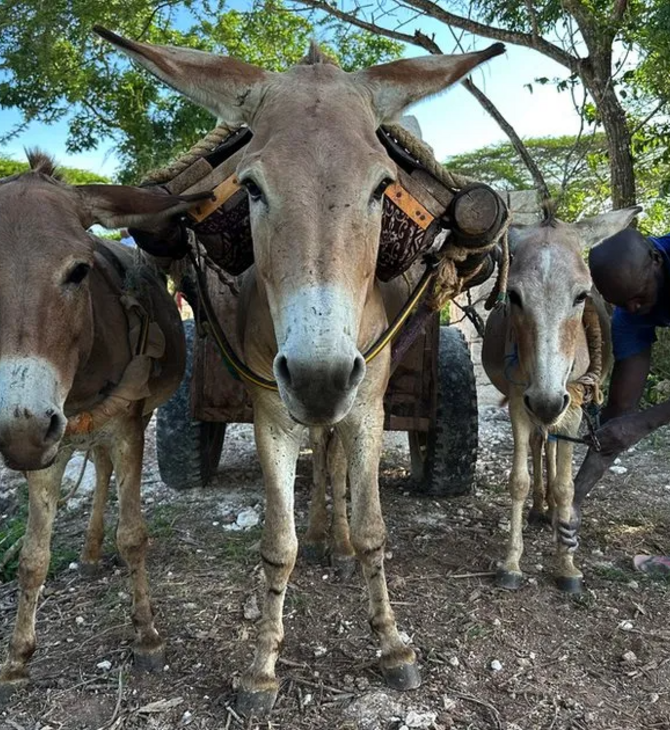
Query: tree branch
x=499, y=34
x=620, y=7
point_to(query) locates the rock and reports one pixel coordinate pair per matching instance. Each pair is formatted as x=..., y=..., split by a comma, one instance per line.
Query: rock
x=320, y=651
x=405, y=637
x=629, y=657
x=73, y=566
x=248, y=518
x=420, y=719
x=626, y=626
x=618, y=469
x=495, y=666
x=187, y=718
x=251, y=611
x=374, y=711
x=454, y=661
x=105, y=665
x=362, y=683
x=79, y=620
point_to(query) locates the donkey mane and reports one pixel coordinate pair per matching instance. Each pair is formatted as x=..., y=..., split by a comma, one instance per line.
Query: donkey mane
x=43, y=163
x=316, y=55
x=548, y=213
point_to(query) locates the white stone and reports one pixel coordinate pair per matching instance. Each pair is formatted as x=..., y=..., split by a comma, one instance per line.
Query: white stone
x=420, y=719
x=79, y=620
x=495, y=666
x=73, y=566
x=320, y=651
x=251, y=610
x=629, y=657
x=187, y=718
x=105, y=665
x=405, y=637
x=454, y=661
x=626, y=626
x=618, y=469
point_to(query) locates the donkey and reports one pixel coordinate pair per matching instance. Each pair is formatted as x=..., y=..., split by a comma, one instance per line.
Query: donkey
x=533, y=347
x=315, y=173
x=83, y=362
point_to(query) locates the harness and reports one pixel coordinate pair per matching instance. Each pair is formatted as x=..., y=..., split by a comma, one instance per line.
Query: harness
x=147, y=343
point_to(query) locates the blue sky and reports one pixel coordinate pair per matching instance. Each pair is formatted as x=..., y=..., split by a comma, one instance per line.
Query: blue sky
x=453, y=122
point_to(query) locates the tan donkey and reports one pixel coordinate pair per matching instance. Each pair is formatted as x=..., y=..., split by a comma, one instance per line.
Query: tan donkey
x=535, y=350
x=315, y=173
x=84, y=359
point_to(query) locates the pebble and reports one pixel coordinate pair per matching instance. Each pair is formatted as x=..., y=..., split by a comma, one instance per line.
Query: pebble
x=79, y=620
x=307, y=699
x=420, y=719
x=187, y=718
x=320, y=651
x=654, y=697
x=633, y=584
x=626, y=626
x=495, y=666
x=248, y=518
x=629, y=657
x=251, y=611
x=405, y=637
x=362, y=683
x=73, y=566
x=454, y=661
x=105, y=665
x=618, y=469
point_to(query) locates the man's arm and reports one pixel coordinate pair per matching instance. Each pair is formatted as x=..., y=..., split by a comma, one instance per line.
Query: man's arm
x=627, y=383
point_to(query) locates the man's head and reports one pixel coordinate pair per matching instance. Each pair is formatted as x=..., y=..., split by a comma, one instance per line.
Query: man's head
x=628, y=271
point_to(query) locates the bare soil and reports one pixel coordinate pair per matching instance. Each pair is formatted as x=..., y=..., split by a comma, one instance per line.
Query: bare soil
x=534, y=659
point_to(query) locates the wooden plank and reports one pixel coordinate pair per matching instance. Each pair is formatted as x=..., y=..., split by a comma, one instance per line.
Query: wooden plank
x=222, y=192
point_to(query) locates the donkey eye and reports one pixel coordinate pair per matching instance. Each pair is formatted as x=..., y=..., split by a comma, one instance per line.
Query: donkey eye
x=77, y=274
x=379, y=190
x=514, y=298
x=581, y=297
x=255, y=193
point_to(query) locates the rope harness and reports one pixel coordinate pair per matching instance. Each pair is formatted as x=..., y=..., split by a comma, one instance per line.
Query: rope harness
x=147, y=343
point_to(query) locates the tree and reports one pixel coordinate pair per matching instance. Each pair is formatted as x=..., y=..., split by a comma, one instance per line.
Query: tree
x=581, y=35
x=577, y=173
x=54, y=67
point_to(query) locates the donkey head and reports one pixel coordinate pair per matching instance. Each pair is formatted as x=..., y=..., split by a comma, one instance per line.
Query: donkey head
x=315, y=173
x=46, y=322
x=547, y=287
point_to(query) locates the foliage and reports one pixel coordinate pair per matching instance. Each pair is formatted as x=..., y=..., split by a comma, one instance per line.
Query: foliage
x=576, y=171
x=55, y=67
x=71, y=175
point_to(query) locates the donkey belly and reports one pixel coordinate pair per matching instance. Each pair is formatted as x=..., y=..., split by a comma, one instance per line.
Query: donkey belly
x=493, y=350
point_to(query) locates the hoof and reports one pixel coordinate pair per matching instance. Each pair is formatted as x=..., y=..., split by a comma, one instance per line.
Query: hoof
x=402, y=677
x=149, y=660
x=314, y=552
x=256, y=704
x=538, y=518
x=508, y=579
x=344, y=567
x=9, y=686
x=89, y=570
x=572, y=584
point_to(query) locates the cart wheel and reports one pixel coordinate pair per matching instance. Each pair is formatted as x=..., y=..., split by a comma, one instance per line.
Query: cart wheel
x=444, y=459
x=188, y=451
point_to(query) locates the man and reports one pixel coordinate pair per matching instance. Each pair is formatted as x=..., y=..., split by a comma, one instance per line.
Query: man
x=633, y=273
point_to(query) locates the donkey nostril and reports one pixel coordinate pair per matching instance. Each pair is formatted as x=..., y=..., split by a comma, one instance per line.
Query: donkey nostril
x=281, y=369
x=526, y=401
x=566, y=401
x=357, y=372
x=55, y=429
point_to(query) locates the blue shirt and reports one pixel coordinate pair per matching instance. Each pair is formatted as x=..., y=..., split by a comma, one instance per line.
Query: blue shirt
x=635, y=333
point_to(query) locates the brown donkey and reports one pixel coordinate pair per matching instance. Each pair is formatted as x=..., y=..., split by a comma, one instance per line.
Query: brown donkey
x=90, y=343
x=532, y=349
x=315, y=172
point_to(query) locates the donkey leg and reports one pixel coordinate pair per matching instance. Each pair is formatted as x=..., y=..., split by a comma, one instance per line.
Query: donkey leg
x=568, y=577
x=509, y=574
x=90, y=556
x=43, y=492
x=343, y=555
x=536, y=515
x=316, y=537
x=126, y=451
x=361, y=434
x=551, y=479
x=278, y=443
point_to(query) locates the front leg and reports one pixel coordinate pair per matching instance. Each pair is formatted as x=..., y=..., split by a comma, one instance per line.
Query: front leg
x=361, y=433
x=278, y=440
x=43, y=492
x=509, y=574
x=126, y=451
x=315, y=540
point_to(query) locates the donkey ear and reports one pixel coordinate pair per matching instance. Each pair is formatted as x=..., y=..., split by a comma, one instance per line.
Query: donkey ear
x=119, y=206
x=398, y=84
x=228, y=88
x=593, y=230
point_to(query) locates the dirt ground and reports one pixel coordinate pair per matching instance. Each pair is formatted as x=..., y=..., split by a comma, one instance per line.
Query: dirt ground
x=530, y=660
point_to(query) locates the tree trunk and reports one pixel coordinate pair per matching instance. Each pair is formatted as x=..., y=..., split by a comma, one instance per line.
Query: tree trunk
x=622, y=173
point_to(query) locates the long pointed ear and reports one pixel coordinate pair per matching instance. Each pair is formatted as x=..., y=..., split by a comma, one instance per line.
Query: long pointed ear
x=228, y=88
x=593, y=230
x=120, y=206
x=398, y=84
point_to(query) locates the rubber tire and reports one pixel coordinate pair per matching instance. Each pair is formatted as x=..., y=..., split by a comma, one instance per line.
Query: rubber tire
x=444, y=460
x=188, y=451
